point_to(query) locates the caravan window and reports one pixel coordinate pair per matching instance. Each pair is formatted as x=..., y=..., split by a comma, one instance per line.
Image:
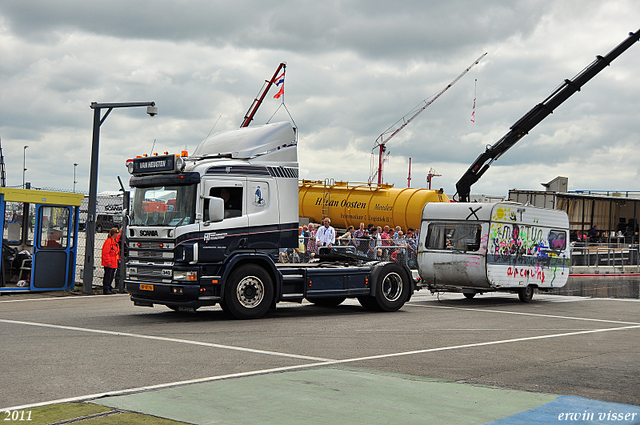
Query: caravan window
x=454, y=236
x=557, y=240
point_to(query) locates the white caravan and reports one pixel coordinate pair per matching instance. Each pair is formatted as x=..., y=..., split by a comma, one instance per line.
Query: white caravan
x=480, y=247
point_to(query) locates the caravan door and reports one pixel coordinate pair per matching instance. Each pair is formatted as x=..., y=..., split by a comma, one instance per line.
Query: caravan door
x=453, y=252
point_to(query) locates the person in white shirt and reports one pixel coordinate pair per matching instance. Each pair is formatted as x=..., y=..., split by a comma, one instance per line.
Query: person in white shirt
x=326, y=235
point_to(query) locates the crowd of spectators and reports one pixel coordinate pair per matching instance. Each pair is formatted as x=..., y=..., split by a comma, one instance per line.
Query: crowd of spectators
x=372, y=242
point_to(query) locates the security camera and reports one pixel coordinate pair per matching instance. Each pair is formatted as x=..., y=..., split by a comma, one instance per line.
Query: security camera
x=152, y=110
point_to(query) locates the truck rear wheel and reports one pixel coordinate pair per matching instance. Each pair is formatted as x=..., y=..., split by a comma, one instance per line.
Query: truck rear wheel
x=392, y=290
x=526, y=294
x=248, y=292
x=369, y=303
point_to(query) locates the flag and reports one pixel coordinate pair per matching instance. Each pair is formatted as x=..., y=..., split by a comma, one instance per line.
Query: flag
x=473, y=114
x=475, y=96
x=280, y=93
x=279, y=80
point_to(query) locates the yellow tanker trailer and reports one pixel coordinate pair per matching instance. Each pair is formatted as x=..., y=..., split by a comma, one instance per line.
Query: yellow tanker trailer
x=351, y=204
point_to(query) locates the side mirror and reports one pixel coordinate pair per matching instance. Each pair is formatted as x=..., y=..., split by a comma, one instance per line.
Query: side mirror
x=216, y=209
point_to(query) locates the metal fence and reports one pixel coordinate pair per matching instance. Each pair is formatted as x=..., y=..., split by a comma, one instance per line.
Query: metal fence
x=605, y=255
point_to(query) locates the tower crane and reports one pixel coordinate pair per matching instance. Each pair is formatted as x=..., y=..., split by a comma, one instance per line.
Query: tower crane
x=432, y=173
x=381, y=141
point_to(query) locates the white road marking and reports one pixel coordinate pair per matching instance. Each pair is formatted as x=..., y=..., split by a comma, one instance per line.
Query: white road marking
x=165, y=339
x=550, y=316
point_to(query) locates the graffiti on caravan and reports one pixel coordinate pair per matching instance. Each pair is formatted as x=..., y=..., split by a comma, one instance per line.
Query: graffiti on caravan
x=518, y=244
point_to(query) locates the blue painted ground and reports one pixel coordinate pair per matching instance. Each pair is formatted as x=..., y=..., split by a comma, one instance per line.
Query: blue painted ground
x=575, y=410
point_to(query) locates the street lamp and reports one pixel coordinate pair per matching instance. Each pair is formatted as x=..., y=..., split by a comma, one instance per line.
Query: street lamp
x=90, y=226
x=75, y=165
x=24, y=164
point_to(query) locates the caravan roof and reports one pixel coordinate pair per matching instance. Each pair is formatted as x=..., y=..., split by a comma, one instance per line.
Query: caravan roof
x=505, y=212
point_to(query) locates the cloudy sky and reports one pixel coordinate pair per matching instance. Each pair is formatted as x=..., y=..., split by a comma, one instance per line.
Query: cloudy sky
x=353, y=69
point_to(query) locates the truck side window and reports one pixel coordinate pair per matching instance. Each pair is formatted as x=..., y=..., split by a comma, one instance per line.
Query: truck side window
x=454, y=236
x=232, y=200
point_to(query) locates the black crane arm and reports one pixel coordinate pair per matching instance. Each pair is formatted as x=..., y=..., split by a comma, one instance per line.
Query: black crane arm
x=535, y=116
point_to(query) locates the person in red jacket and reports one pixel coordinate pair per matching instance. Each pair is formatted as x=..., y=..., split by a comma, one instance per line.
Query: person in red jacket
x=110, y=258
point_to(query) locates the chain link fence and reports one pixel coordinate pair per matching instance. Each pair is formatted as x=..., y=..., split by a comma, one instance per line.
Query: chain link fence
x=108, y=215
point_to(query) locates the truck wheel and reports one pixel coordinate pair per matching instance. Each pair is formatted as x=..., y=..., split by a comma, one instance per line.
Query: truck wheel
x=98, y=228
x=248, y=292
x=526, y=294
x=369, y=303
x=392, y=289
x=469, y=295
x=328, y=301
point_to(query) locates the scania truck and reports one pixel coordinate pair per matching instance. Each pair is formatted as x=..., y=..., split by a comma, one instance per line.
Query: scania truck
x=233, y=206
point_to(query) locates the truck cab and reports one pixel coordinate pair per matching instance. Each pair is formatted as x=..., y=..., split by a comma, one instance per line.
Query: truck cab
x=191, y=218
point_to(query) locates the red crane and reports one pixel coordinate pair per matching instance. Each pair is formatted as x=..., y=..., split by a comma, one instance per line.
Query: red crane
x=381, y=141
x=248, y=117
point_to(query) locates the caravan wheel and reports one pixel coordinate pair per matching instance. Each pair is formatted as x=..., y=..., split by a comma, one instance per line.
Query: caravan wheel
x=526, y=294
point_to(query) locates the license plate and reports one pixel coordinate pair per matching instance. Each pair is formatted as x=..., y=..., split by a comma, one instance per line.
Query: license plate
x=145, y=287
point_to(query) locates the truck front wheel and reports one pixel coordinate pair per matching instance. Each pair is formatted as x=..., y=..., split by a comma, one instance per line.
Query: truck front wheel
x=248, y=293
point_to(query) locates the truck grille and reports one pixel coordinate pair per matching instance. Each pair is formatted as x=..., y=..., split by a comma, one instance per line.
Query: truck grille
x=150, y=261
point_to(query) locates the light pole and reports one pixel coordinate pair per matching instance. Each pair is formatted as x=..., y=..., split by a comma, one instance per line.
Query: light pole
x=24, y=163
x=90, y=226
x=75, y=165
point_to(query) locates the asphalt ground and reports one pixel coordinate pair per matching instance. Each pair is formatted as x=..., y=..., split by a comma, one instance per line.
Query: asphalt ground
x=439, y=360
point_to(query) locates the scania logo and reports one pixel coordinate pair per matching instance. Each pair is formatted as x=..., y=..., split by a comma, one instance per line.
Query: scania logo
x=148, y=233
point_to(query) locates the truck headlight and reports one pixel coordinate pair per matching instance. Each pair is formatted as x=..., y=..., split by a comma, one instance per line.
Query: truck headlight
x=189, y=276
x=130, y=271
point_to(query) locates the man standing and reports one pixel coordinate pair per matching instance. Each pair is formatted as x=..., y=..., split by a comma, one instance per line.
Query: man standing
x=326, y=235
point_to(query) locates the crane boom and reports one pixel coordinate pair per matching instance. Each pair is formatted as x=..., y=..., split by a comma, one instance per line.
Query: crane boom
x=396, y=127
x=248, y=117
x=538, y=113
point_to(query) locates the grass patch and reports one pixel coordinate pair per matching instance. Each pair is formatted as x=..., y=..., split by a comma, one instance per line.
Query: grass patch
x=55, y=413
x=128, y=418
x=68, y=411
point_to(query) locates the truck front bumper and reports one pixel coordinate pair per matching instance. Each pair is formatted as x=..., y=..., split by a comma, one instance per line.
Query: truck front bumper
x=169, y=294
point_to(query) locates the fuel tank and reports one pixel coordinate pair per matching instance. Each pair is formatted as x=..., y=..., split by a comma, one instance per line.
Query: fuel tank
x=351, y=204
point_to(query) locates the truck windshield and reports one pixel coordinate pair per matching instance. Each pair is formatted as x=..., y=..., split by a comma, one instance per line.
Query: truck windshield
x=163, y=205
